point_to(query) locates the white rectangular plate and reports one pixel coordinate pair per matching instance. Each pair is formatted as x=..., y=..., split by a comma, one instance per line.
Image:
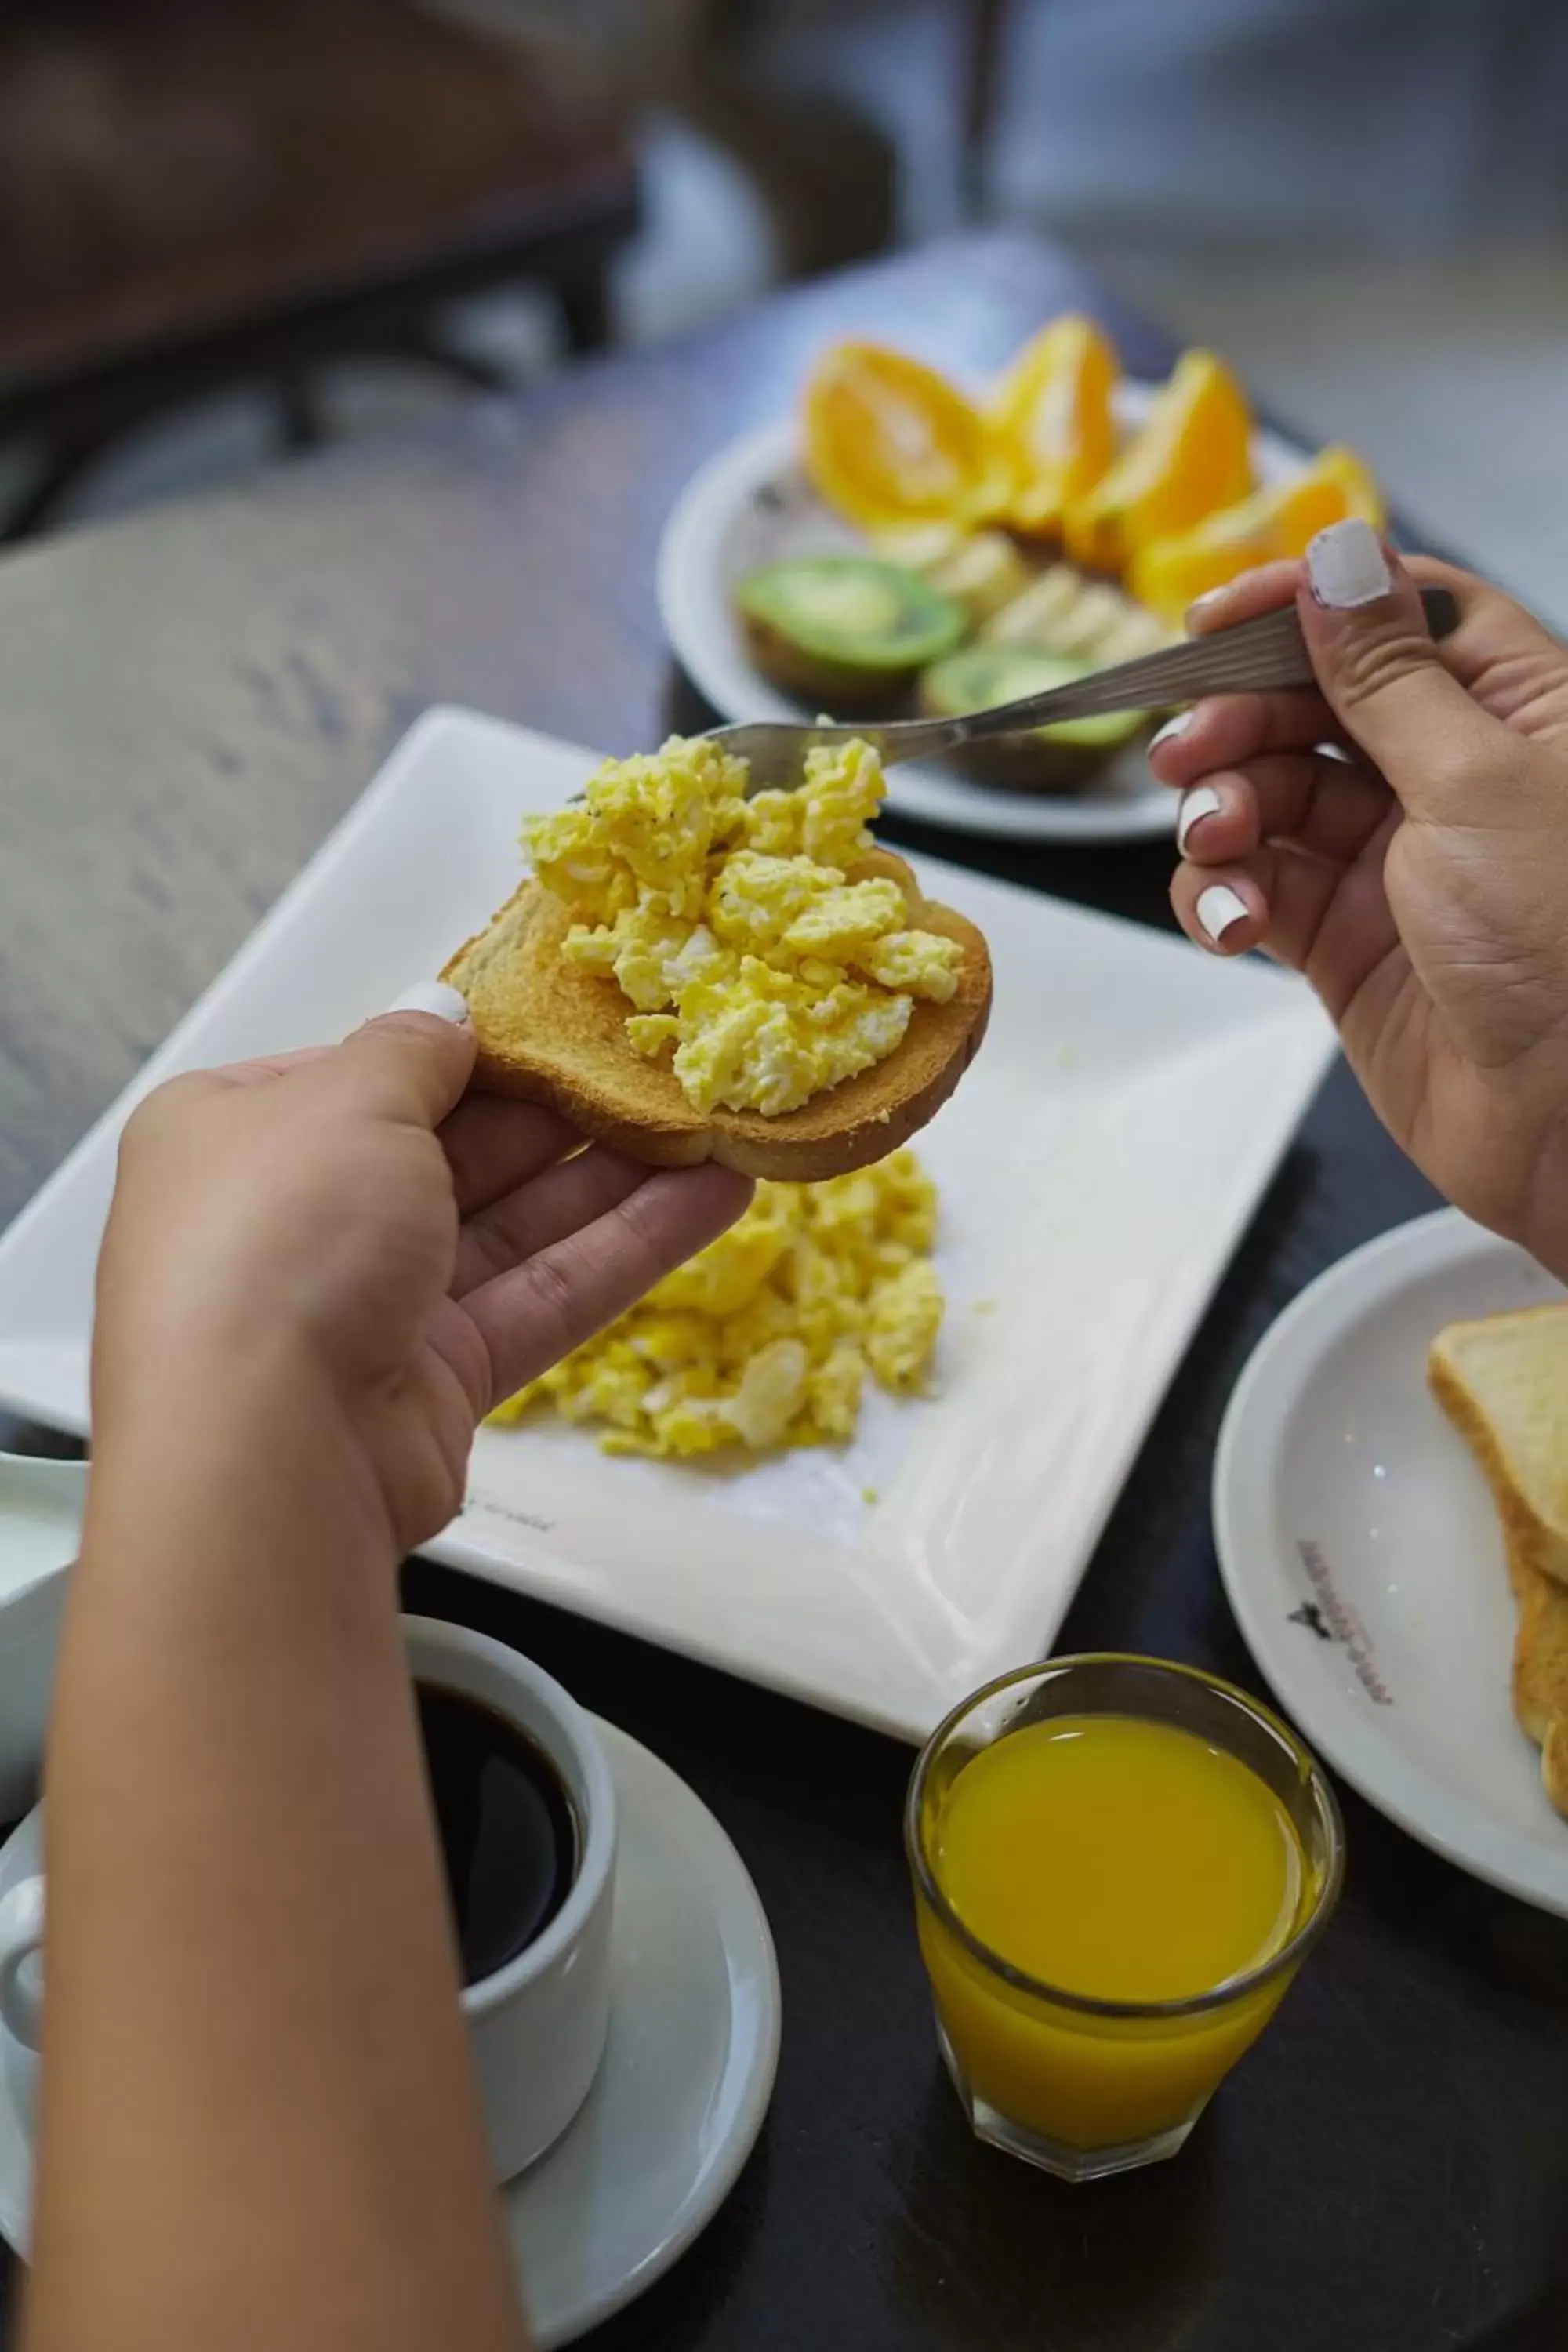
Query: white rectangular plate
x=1097, y=1168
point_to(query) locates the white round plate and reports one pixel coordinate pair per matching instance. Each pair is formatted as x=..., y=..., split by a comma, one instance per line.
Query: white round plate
x=750, y=504
x=687, y=2072
x=1363, y=1556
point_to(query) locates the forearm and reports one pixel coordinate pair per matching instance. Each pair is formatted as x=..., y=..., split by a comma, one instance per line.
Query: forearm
x=257, y=2089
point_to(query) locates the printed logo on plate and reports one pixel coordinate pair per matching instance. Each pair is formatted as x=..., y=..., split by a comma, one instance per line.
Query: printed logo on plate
x=1330, y=1618
x=490, y=1507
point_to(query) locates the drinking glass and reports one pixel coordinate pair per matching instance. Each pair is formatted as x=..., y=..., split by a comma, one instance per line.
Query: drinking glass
x=1077, y=2085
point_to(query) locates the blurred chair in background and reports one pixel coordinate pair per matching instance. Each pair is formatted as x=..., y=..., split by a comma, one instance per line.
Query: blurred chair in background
x=1364, y=203
x=194, y=192
x=825, y=170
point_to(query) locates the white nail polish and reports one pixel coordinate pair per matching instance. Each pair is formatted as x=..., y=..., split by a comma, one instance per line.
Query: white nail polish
x=1201, y=802
x=433, y=996
x=1171, y=729
x=1347, y=567
x=1218, y=907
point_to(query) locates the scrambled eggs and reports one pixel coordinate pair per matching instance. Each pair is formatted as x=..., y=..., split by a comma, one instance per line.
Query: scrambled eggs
x=767, y=1338
x=730, y=924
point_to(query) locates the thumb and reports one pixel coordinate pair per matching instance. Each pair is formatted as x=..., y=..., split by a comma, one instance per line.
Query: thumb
x=1382, y=675
x=412, y=1063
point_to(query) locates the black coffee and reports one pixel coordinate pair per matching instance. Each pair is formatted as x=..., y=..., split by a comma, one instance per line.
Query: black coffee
x=509, y=1833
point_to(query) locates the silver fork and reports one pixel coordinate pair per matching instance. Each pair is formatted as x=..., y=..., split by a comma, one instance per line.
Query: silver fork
x=1258, y=656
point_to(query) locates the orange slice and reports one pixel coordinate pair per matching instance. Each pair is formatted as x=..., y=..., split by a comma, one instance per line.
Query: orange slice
x=1191, y=456
x=1050, y=416
x=889, y=442
x=1169, y=573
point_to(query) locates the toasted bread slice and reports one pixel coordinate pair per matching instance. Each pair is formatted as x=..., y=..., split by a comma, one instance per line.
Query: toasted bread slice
x=550, y=1032
x=1503, y=1382
x=1554, y=1763
x=1541, y=1671
x=1539, y=1651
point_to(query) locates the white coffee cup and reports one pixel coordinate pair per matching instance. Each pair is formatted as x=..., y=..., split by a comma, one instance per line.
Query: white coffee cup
x=537, y=2027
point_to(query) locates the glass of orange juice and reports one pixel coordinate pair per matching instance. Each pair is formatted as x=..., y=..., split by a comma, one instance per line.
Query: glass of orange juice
x=1119, y=1866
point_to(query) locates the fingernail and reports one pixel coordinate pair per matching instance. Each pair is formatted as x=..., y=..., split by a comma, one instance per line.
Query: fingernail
x=433, y=996
x=1218, y=907
x=1210, y=596
x=1347, y=566
x=1171, y=729
x=1201, y=802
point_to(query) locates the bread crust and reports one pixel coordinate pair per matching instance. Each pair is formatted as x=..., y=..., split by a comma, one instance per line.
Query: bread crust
x=1554, y=1762
x=1537, y=1559
x=1531, y=1537
x=551, y=1032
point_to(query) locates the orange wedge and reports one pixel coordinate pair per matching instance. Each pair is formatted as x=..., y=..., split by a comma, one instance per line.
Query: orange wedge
x=1050, y=417
x=889, y=442
x=1192, y=455
x=1169, y=573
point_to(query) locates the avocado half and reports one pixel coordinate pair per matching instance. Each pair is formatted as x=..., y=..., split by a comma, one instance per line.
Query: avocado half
x=1046, y=758
x=850, y=632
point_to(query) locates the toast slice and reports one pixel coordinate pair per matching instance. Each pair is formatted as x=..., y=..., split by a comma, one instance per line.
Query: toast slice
x=550, y=1032
x=1541, y=1671
x=1503, y=1382
x=1554, y=1763
x=1541, y=1650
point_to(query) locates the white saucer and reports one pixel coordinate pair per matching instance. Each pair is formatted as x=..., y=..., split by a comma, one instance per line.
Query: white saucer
x=750, y=504
x=1363, y=1556
x=694, y=2036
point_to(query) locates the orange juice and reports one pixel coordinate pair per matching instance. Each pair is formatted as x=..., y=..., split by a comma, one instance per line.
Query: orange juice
x=1123, y=1861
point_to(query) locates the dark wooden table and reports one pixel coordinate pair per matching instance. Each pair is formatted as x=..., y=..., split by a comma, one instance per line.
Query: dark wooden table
x=187, y=701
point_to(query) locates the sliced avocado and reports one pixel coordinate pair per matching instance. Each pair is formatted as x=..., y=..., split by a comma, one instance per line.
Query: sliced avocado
x=848, y=631
x=1046, y=759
